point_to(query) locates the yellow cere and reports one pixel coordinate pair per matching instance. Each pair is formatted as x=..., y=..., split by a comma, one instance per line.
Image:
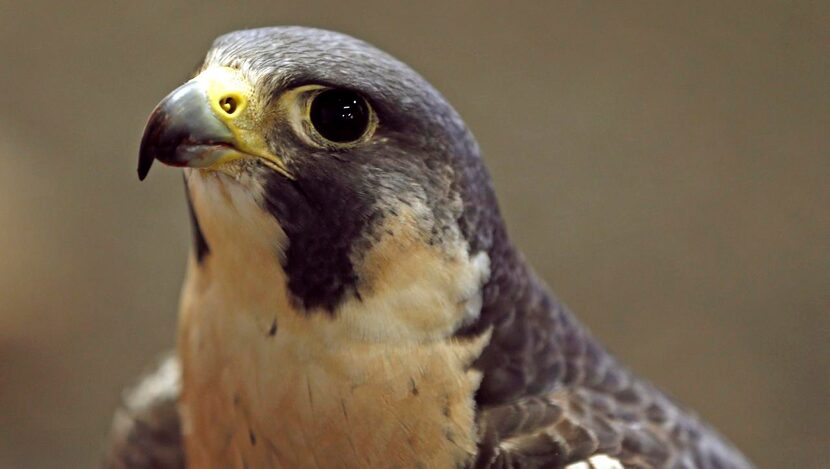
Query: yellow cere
x=230, y=96
x=225, y=86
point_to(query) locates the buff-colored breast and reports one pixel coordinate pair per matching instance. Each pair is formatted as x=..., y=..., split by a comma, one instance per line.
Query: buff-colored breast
x=382, y=384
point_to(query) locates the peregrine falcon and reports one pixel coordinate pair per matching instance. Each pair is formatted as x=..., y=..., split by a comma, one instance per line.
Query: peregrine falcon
x=353, y=299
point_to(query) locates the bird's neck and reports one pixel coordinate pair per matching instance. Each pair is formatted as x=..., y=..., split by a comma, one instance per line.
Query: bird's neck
x=536, y=343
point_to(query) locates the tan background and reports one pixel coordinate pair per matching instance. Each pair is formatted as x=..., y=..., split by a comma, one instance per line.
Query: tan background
x=665, y=167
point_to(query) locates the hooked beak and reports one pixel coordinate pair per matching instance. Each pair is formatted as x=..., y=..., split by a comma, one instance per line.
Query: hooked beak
x=205, y=123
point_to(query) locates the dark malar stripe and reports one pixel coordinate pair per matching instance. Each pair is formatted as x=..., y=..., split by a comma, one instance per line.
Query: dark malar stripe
x=199, y=242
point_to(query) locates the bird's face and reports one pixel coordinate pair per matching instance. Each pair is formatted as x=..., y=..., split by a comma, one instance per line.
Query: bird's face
x=364, y=184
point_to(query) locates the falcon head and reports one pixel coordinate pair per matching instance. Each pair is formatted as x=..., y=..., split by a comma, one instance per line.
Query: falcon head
x=335, y=180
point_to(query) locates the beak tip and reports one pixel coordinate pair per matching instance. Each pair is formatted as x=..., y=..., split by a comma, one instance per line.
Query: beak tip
x=144, y=168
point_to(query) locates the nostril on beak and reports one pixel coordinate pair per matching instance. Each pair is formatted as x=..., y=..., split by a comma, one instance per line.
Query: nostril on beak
x=229, y=104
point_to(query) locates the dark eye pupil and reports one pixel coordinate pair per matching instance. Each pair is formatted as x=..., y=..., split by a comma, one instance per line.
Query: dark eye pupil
x=340, y=115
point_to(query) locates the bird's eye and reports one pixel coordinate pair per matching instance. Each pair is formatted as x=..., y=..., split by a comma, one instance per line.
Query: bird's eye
x=340, y=116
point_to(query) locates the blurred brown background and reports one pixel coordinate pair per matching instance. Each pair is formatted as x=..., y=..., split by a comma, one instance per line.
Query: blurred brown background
x=665, y=167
